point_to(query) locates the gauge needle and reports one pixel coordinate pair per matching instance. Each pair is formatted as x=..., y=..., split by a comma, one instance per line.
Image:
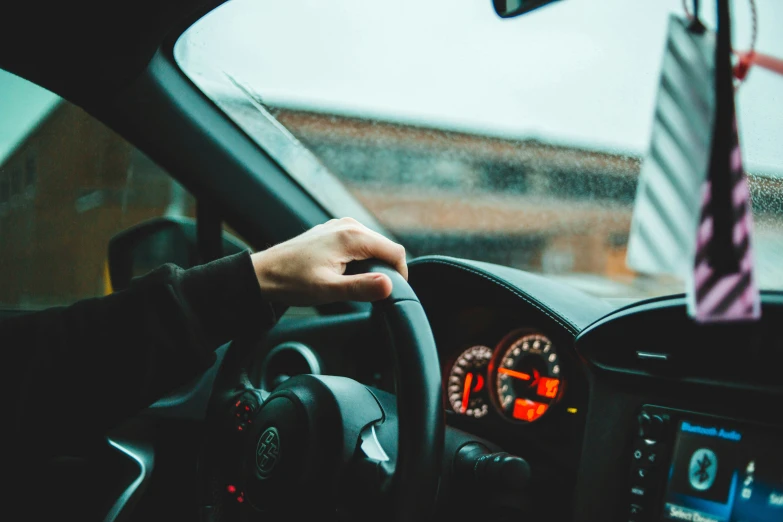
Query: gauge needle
x=466, y=391
x=516, y=375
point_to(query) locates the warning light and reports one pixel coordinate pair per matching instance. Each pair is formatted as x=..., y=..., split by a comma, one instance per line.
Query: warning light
x=547, y=387
x=528, y=410
x=240, y=499
x=231, y=488
x=571, y=410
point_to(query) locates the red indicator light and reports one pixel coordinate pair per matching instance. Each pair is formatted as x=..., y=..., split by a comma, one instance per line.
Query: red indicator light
x=240, y=499
x=479, y=383
x=238, y=403
x=231, y=488
x=239, y=428
x=547, y=387
x=247, y=408
x=528, y=410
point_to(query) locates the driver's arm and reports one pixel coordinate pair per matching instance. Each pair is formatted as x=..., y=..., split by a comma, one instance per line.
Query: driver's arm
x=79, y=370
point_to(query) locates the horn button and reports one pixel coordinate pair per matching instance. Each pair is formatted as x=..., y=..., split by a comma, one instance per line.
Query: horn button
x=303, y=434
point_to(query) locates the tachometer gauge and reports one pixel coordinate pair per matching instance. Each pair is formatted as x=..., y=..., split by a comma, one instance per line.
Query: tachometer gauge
x=527, y=376
x=466, y=387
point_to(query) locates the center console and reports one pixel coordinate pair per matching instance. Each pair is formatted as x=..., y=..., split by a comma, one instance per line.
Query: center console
x=701, y=468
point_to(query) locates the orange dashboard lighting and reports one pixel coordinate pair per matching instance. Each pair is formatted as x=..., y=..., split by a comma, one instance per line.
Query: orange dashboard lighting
x=515, y=374
x=528, y=410
x=479, y=383
x=547, y=387
x=466, y=392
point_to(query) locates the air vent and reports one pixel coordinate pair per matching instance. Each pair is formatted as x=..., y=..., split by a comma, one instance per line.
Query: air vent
x=287, y=360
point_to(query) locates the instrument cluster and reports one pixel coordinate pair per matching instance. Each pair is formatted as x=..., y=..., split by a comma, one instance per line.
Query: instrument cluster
x=519, y=378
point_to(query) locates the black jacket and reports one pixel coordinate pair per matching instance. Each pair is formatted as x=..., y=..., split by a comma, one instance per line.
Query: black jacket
x=75, y=372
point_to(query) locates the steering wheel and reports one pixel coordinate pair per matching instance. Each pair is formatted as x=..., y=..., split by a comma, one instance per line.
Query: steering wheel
x=321, y=440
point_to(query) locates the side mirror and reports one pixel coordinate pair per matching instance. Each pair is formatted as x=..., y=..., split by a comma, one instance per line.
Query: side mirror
x=512, y=8
x=146, y=246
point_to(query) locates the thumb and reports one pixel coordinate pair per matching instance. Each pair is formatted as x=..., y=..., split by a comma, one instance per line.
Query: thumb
x=364, y=287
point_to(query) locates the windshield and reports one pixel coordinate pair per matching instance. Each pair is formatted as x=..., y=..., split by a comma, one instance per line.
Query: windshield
x=517, y=142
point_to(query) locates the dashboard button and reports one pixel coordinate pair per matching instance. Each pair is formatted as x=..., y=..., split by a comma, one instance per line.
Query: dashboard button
x=641, y=473
x=657, y=424
x=635, y=510
x=644, y=421
x=639, y=492
x=652, y=458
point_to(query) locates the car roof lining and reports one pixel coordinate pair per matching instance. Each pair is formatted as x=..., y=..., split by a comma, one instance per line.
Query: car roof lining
x=89, y=50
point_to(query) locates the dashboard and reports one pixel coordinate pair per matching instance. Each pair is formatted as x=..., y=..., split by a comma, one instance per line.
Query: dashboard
x=611, y=408
x=520, y=378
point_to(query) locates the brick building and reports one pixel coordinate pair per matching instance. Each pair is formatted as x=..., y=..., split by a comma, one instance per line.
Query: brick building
x=72, y=184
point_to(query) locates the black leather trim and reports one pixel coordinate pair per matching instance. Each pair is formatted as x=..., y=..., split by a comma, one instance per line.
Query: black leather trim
x=568, y=307
x=419, y=398
x=419, y=411
x=401, y=290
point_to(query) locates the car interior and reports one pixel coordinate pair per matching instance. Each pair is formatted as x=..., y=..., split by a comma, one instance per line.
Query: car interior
x=501, y=381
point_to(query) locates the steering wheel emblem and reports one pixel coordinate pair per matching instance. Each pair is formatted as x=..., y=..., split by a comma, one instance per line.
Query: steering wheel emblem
x=267, y=452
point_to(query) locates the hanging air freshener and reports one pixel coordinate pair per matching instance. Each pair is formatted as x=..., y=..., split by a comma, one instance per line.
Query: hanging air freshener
x=722, y=285
x=692, y=216
x=668, y=198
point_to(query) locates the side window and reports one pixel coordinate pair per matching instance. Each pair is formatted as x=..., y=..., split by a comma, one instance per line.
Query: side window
x=67, y=185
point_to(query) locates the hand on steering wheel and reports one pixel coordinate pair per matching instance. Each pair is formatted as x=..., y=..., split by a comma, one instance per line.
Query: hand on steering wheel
x=310, y=269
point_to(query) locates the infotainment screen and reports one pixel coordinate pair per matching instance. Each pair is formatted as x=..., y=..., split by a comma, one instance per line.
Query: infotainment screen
x=724, y=472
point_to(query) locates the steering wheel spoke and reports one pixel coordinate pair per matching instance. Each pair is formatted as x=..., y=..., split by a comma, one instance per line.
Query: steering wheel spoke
x=320, y=441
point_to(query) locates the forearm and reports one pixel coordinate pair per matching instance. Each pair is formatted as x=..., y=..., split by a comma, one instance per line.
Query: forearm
x=84, y=368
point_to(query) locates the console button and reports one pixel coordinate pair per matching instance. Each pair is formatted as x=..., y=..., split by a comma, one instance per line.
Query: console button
x=638, y=492
x=644, y=421
x=639, y=454
x=635, y=510
x=655, y=430
x=652, y=458
x=641, y=474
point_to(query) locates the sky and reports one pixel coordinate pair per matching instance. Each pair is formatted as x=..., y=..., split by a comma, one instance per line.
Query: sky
x=578, y=72
x=22, y=106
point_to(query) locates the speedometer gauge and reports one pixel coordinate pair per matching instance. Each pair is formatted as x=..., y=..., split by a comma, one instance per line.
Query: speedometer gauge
x=466, y=386
x=527, y=376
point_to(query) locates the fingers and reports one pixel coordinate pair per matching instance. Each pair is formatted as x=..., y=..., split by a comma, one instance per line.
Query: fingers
x=364, y=243
x=362, y=287
x=395, y=251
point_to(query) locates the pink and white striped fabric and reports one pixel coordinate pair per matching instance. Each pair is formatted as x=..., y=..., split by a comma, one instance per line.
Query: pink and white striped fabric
x=726, y=296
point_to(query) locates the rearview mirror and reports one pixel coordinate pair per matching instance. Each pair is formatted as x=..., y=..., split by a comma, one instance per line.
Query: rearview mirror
x=142, y=248
x=512, y=8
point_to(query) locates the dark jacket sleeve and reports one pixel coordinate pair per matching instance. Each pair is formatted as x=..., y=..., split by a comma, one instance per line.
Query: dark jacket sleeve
x=79, y=370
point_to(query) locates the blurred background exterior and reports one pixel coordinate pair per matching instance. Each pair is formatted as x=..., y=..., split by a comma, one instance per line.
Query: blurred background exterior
x=517, y=142
x=560, y=211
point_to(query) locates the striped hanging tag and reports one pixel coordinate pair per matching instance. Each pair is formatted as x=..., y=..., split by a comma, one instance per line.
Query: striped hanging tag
x=716, y=293
x=721, y=286
x=668, y=197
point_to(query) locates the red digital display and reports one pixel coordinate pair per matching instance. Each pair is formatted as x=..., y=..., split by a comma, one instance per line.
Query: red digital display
x=547, y=387
x=527, y=410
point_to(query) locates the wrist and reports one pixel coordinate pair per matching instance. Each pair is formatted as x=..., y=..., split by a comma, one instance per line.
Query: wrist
x=267, y=282
x=263, y=275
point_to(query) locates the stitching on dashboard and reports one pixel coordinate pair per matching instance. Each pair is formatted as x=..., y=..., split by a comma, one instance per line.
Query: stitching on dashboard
x=565, y=323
